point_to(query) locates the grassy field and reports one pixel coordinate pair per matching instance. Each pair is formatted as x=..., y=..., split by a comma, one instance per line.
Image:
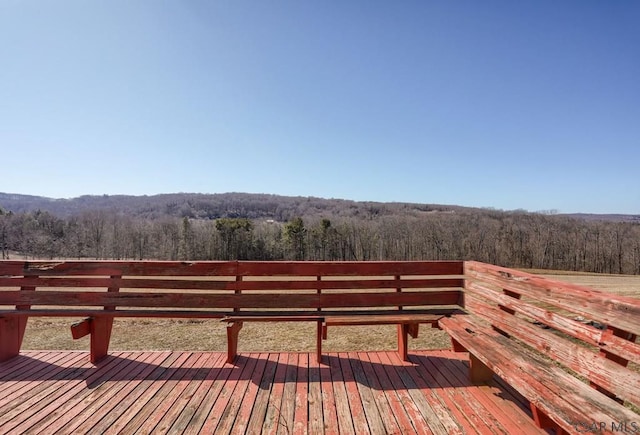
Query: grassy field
x=625, y=285
x=143, y=334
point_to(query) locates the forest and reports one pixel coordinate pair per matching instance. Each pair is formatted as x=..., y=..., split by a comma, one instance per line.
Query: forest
x=267, y=227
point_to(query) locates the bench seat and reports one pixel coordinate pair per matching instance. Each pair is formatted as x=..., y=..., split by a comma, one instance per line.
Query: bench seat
x=92, y=312
x=558, y=400
x=408, y=322
x=326, y=293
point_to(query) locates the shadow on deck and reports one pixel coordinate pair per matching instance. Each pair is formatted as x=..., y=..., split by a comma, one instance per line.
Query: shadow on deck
x=197, y=392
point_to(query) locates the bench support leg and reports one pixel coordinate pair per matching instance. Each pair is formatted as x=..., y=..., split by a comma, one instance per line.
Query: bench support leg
x=456, y=346
x=321, y=334
x=479, y=373
x=413, y=329
x=99, y=328
x=100, y=336
x=543, y=421
x=11, y=335
x=403, y=341
x=404, y=331
x=81, y=329
x=233, y=329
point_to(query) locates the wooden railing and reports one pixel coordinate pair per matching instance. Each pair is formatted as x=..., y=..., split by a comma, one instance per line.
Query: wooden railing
x=329, y=293
x=545, y=337
x=566, y=348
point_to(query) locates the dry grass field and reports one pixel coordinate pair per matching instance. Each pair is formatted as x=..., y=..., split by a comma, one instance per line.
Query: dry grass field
x=626, y=285
x=151, y=334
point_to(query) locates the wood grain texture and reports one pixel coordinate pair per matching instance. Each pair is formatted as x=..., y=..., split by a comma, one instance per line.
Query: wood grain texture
x=609, y=309
x=196, y=392
x=603, y=372
x=603, y=338
x=229, y=268
x=252, y=291
x=558, y=394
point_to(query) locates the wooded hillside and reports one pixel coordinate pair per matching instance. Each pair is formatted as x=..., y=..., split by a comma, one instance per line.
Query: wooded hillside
x=269, y=227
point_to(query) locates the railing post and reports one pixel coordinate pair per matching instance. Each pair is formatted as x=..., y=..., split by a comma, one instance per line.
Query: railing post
x=102, y=326
x=403, y=328
x=233, y=328
x=12, y=329
x=321, y=332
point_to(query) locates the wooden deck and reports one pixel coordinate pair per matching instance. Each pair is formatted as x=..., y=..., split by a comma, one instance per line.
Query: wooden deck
x=197, y=392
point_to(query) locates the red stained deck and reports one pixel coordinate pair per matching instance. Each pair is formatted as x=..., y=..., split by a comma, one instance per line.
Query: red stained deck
x=197, y=392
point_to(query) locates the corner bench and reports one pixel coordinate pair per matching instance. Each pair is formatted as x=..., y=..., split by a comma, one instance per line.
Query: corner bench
x=406, y=294
x=565, y=348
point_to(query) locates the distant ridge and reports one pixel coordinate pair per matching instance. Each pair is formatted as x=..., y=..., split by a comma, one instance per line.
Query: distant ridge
x=605, y=217
x=247, y=205
x=213, y=206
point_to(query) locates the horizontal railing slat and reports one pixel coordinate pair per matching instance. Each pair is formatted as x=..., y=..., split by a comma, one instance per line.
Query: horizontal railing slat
x=107, y=268
x=349, y=268
x=589, y=334
x=229, y=268
x=241, y=300
x=603, y=372
x=228, y=284
x=545, y=385
x=219, y=314
x=621, y=312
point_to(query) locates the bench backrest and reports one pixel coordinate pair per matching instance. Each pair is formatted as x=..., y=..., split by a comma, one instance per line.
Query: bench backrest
x=215, y=289
x=589, y=332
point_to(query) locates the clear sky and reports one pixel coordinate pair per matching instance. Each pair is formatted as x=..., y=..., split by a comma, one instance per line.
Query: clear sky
x=509, y=104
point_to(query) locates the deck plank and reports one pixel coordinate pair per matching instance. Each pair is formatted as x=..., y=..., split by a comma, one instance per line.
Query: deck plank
x=460, y=410
x=404, y=420
x=183, y=392
x=316, y=416
x=405, y=399
x=354, y=399
x=190, y=408
x=136, y=414
x=261, y=401
x=301, y=413
x=272, y=416
x=198, y=392
x=254, y=365
x=438, y=411
x=436, y=415
x=371, y=411
x=128, y=395
x=88, y=406
x=251, y=400
x=222, y=410
x=39, y=396
x=142, y=391
x=214, y=385
x=328, y=399
x=390, y=425
x=287, y=409
x=474, y=409
x=481, y=401
x=499, y=405
x=148, y=417
x=21, y=379
x=342, y=397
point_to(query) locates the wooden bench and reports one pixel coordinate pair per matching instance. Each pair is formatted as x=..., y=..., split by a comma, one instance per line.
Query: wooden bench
x=565, y=348
x=406, y=294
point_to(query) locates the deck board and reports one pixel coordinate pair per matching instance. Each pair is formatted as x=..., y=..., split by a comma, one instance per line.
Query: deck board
x=198, y=392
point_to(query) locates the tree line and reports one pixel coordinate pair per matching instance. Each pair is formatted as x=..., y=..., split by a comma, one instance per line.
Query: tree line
x=513, y=239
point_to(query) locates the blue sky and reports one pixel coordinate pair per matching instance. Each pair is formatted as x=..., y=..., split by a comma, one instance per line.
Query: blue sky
x=514, y=105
